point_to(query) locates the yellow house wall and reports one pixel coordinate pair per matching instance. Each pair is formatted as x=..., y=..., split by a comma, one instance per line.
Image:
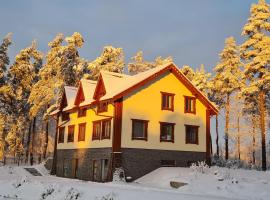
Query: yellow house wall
x=88, y=119
x=145, y=104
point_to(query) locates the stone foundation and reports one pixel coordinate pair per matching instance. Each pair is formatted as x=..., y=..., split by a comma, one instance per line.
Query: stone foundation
x=79, y=163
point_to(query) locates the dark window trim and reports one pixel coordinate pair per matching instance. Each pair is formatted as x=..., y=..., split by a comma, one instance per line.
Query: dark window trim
x=60, y=131
x=103, y=129
x=164, y=124
x=65, y=116
x=146, y=129
x=101, y=122
x=197, y=134
x=69, y=127
x=172, y=101
x=101, y=108
x=81, y=124
x=82, y=112
x=194, y=104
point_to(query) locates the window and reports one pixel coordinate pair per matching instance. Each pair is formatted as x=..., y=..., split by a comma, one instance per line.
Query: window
x=82, y=112
x=61, y=135
x=190, y=104
x=65, y=116
x=102, y=107
x=192, y=134
x=106, y=129
x=167, y=163
x=71, y=133
x=96, y=130
x=167, y=100
x=166, y=132
x=139, y=129
x=95, y=170
x=101, y=129
x=104, y=169
x=81, y=134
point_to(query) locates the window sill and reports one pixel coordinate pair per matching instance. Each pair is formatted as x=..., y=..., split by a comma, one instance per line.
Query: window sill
x=145, y=139
x=172, y=141
x=105, y=138
x=192, y=143
x=95, y=139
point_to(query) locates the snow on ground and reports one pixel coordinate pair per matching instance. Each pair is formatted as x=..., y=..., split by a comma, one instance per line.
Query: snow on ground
x=16, y=183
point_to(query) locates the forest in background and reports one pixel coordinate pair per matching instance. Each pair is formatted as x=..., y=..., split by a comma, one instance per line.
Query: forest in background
x=31, y=86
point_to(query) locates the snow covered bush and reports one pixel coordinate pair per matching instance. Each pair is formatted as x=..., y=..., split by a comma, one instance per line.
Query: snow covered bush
x=231, y=163
x=199, y=167
x=19, y=183
x=72, y=194
x=110, y=196
x=48, y=191
x=119, y=175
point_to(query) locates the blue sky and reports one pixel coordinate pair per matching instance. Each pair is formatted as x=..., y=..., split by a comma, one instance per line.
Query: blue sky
x=192, y=31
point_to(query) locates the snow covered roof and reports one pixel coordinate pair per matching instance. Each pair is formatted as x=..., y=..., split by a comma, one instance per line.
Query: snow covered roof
x=118, y=85
x=88, y=91
x=70, y=93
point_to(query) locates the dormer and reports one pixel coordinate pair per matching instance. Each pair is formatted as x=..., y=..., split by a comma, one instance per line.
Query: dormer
x=100, y=90
x=80, y=96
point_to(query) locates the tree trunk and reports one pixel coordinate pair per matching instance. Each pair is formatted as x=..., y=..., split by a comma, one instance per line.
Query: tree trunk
x=253, y=139
x=238, y=137
x=54, y=163
x=46, y=140
x=28, y=143
x=227, y=108
x=46, y=137
x=262, y=127
x=217, y=136
x=33, y=142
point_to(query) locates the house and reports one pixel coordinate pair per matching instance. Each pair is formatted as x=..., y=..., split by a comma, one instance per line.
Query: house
x=139, y=123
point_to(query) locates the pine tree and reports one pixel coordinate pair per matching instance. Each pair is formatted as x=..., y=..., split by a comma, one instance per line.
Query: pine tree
x=188, y=72
x=138, y=63
x=255, y=51
x=111, y=59
x=201, y=80
x=4, y=59
x=63, y=66
x=22, y=76
x=4, y=62
x=228, y=79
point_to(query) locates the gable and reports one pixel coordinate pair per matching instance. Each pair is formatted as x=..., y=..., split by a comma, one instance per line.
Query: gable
x=172, y=69
x=100, y=89
x=63, y=102
x=80, y=95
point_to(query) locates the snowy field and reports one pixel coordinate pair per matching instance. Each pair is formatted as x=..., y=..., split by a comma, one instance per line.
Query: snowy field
x=215, y=183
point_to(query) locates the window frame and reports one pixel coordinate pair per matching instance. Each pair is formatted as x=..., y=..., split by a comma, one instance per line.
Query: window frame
x=167, y=124
x=101, y=136
x=65, y=116
x=79, y=132
x=81, y=112
x=102, y=106
x=103, y=129
x=145, y=122
x=187, y=98
x=60, y=129
x=172, y=101
x=197, y=134
x=70, y=127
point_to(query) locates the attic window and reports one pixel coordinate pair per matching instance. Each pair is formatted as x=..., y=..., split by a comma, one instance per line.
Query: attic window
x=82, y=112
x=102, y=107
x=65, y=116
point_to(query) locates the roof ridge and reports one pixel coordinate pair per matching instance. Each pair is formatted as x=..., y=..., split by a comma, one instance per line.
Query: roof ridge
x=114, y=73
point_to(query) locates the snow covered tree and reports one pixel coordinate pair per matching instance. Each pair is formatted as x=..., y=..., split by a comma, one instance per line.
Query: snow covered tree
x=22, y=76
x=138, y=63
x=111, y=59
x=255, y=51
x=63, y=66
x=228, y=79
x=201, y=80
x=188, y=72
x=4, y=59
x=14, y=141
